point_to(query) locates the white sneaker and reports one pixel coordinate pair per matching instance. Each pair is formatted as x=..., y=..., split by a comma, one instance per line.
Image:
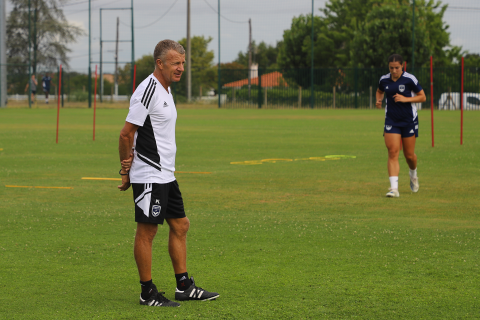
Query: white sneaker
x=393, y=193
x=414, y=184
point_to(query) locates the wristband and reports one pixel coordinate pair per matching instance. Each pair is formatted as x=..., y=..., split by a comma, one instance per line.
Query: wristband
x=122, y=174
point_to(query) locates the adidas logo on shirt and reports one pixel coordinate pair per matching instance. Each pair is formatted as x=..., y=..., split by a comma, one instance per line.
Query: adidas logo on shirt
x=386, y=87
x=165, y=104
x=411, y=131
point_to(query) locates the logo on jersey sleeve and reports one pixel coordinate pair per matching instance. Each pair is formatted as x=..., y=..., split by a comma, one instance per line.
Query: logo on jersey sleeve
x=401, y=88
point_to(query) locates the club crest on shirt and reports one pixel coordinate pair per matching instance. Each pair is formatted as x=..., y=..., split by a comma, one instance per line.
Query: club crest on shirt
x=388, y=128
x=156, y=210
x=401, y=88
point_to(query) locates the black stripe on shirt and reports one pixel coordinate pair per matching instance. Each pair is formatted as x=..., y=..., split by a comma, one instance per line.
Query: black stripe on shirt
x=147, y=161
x=151, y=95
x=145, y=93
x=146, y=145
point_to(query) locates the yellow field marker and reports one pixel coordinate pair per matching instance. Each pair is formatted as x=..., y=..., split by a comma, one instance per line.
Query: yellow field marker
x=38, y=187
x=254, y=162
x=1, y=149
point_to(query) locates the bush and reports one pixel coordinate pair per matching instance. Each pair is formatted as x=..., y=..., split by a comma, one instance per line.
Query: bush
x=78, y=96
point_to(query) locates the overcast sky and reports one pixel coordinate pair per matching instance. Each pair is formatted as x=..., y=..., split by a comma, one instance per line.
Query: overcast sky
x=155, y=20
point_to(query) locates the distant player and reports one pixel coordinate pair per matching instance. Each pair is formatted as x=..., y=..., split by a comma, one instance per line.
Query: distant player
x=401, y=120
x=33, y=87
x=150, y=129
x=46, y=86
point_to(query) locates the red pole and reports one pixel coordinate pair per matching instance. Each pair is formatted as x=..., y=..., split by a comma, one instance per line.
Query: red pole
x=461, y=108
x=134, y=75
x=405, y=66
x=431, y=97
x=95, y=103
x=58, y=98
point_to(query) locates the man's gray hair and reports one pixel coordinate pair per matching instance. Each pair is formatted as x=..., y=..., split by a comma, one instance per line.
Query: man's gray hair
x=162, y=48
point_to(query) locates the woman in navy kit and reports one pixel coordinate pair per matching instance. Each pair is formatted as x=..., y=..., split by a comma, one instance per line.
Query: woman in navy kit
x=401, y=120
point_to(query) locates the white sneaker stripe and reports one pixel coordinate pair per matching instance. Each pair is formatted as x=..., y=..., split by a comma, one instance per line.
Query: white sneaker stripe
x=200, y=295
x=192, y=293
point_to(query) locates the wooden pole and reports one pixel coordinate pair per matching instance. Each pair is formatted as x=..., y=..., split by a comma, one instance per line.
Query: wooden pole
x=299, y=96
x=333, y=97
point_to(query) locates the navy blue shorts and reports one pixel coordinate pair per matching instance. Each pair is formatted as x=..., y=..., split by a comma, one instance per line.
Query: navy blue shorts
x=405, y=132
x=155, y=202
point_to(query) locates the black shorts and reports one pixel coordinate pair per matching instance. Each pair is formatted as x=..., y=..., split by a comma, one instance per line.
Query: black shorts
x=155, y=202
x=34, y=91
x=405, y=131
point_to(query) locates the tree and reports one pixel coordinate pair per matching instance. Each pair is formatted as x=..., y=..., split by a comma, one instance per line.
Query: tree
x=50, y=34
x=204, y=74
x=263, y=54
x=387, y=29
x=349, y=32
x=295, y=49
x=380, y=36
x=472, y=59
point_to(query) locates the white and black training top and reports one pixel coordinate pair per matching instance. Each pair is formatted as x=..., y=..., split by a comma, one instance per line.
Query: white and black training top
x=152, y=109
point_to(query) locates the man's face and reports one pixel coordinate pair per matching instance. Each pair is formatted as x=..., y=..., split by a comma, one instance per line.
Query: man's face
x=173, y=66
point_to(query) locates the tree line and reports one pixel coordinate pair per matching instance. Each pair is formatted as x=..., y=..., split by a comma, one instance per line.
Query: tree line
x=347, y=33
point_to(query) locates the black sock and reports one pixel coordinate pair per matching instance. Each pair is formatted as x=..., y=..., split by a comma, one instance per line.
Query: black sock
x=183, y=282
x=146, y=289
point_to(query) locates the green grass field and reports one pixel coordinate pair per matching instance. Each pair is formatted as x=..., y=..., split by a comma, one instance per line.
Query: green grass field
x=300, y=239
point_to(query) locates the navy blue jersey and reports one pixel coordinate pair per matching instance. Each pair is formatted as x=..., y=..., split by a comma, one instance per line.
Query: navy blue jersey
x=399, y=113
x=46, y=82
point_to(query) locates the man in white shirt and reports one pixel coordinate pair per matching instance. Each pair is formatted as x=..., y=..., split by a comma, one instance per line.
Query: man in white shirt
x=147, y=153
